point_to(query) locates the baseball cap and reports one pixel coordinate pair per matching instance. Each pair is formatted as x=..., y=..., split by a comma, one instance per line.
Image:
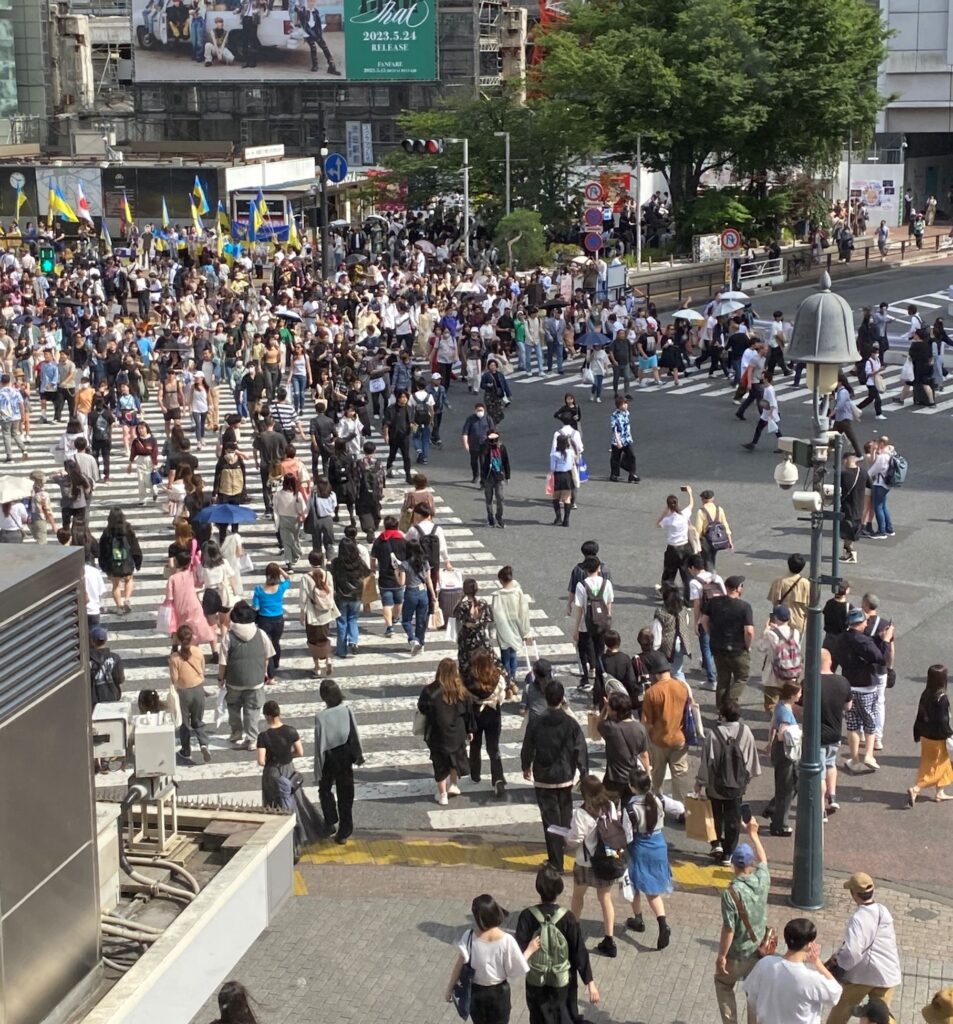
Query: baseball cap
x=655, y=663
x=743, y=856
x=734, y=582
x=860, y=883
x=856, y=616
x=780, y=613
x=436, y=376
x=98, y=633
x=876, y=1011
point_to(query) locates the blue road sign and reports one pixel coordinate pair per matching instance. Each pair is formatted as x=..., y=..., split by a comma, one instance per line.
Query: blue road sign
x=335, y=167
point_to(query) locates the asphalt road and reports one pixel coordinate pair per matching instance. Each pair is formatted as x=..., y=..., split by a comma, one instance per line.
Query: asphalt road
x=693, y=438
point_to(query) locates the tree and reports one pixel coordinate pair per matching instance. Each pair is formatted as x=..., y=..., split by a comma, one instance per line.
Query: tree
x=759, y=84
x=522, y=233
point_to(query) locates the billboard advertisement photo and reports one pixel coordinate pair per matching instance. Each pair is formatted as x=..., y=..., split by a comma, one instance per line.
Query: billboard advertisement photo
x=284, y=40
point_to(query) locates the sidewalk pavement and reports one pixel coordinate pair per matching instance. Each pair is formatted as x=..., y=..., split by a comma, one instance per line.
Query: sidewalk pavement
x=369, y=935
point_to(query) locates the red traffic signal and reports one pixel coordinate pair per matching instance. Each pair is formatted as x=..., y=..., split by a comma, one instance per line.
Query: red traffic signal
x=421, y=147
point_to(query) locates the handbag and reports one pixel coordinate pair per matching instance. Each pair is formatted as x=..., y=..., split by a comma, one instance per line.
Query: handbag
x=906, y=372
x=245, y=564
x=586, y=375
x=773, y=427
x=420, y=723
x=166, y=619
x=879, y=383
x=550, y=484
x=406, y=520
x=463, y=990
x=450, y=579
x=156, y=477
x=583, y=467
x=769, y=941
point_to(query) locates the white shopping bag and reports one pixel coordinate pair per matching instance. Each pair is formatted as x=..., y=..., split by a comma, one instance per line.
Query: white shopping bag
x=221, y=712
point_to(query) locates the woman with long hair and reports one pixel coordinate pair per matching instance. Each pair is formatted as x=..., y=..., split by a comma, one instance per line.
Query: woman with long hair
x=474, y=618
x=186, y=609
x=596, y=803
x=119, y=557
x=842, y=412
x=77, y=491
x=348, y=570
x=199, y=405
x=289, y=510
x=222, y=589
x=322, y=509
x=671, y=631
x=447, y=709
x=268, y=600
x=187, y=673
x=562, y=460
x=487, y=685
x=675, y=522
x=414, y=579
x=318, y=611
x=932, y=730
x=144, y=455
x=337, y=748
x=649, y=871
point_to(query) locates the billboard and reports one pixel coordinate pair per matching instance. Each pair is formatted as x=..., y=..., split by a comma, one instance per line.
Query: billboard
x=250, y=41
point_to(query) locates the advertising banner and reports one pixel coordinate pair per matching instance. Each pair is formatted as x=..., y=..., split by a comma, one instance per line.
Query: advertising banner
x=220, y=41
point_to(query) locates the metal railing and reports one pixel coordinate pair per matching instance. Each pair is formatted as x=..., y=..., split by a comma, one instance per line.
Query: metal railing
x=761, y=268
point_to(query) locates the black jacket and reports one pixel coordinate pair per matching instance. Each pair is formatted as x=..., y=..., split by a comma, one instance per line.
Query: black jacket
x=554, y=747
x=933, y=718
x=859, y=657
x=106, y=675
x=485, y=462
x=397, y=421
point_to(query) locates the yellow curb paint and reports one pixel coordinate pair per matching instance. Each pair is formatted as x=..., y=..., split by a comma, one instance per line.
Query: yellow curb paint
x=507, y=856
x=300, y=886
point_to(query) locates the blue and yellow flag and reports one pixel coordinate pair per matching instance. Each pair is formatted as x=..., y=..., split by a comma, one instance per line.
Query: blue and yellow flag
x=259, y=214
x=125, y=208
x=293, y=240
x=105, y=238
x=165, y=215
x=60, y=207
x=21, y=200
x=198, y=194
x=223, y=222
x=196, y=218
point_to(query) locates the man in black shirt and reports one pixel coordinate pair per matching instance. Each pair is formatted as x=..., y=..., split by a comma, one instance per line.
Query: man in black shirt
x=729, y=623
x=397, y=427
x=474, y=433
x=271, y=447
x=387, y=553
x=836, y=698
x=321, y=433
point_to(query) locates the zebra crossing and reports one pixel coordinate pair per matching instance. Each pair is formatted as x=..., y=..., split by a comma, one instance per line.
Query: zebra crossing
x=700, y=385
x=381, y=683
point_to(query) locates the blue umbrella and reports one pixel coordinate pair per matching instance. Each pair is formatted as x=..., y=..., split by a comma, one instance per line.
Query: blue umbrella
x=225, y=514
x=591, y=338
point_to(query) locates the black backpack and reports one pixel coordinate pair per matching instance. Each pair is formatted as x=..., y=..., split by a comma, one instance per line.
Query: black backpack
x=422, y=413
x=101, y=428
x=430, y=543
x=610, y=857
x=728, y=771
x=598, y=619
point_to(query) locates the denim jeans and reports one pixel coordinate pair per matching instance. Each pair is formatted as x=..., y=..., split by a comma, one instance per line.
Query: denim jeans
x=708, y=662
x=678, y=659
x=878, y=493
x=346, y=626
x=554, y=349
x=299, y=384
x=508, y=658
x=197, y=38
x=537, y=351
x=241, y=406
x=422, y=443
x=597, y=379
x=521, y=362
x=414, y=614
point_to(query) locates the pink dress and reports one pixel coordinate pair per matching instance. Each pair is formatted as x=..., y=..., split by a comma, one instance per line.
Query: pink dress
x=180, y=590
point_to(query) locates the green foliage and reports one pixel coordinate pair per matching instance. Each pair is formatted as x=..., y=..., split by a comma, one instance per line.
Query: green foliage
x=562, y=252
x=716, y=210
x=526, y=227
x=760, y=84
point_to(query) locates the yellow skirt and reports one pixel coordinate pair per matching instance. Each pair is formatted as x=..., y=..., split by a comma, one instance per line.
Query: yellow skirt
x=935, y=767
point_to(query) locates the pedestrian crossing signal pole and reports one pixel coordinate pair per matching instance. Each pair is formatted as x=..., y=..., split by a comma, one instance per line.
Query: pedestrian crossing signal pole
x=823, y=339
x=47, y=259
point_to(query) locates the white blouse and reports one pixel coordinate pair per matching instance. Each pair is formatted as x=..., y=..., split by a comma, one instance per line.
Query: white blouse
x=495, y=961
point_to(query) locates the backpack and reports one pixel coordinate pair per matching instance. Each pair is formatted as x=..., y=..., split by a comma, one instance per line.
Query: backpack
x=728, y=769
x=119, y=553
x=609, y=859
x=716, y=535
x=421, y=413
x=101, y=428
x=786, y=661
x=549, y=966
x=896, y=473
x=430, y=543
x=8, y=410
x=368, y=483
x=710, y=590
x=598, y=618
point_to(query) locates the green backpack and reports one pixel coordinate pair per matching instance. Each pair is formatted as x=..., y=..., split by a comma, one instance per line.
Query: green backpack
x=549, y=965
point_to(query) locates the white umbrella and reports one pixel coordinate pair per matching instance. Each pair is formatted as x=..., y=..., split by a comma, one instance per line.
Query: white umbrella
x=14, y=488
x=734, y=295
x=469, y=288
x=726, y=306
x=688, y=314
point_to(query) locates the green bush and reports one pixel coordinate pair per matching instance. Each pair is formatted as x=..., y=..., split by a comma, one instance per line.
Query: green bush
x=529, y=249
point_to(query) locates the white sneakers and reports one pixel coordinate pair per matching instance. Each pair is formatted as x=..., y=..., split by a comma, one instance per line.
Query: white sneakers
x=453, y=790
x=441, y=798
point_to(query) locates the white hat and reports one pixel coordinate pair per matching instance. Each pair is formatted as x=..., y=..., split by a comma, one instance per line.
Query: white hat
x=198, y=373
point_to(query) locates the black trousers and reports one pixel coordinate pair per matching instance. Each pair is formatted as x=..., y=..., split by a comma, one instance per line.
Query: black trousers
x=591, y=647
x=101, y=451
x=673, y=564
x=490, y=1004
x=61, y=397
x=475, y=453
x=316, y=42
x=555, y=808
x=489, y=723
x=622, y=458
x=272, y=626
x=727, y=815
x=402, y=445
x=338, y=772
x=776, y=358
x=785, y=786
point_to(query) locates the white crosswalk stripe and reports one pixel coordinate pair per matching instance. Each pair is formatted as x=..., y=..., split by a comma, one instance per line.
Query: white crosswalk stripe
x=382, y=682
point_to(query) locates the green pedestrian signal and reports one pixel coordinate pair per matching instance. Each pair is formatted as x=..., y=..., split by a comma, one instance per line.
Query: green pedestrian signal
x=47, y=259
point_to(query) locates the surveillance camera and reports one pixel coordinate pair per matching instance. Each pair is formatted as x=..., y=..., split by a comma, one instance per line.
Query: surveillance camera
x=786, y=475
x=806, y=501
x=828, y=493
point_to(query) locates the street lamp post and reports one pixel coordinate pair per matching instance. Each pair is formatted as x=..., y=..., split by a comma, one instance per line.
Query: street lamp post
x=325, y=233
x=466, y=196
x=823, y=339
x=505, y=136
x=315, y=190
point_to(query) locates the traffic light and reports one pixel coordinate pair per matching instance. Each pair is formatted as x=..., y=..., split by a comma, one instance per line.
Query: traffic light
x=47, y=259
x=423, y=147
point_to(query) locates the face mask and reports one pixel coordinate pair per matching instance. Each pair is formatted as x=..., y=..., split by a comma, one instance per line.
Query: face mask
x=480, y=414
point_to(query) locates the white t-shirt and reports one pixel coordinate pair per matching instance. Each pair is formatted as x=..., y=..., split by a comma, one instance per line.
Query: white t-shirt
x=785, y=992
x=697, y=583
x=592, y=584
x=493, y=962
x=770, y=399
x=95, y=588
x=675, y=525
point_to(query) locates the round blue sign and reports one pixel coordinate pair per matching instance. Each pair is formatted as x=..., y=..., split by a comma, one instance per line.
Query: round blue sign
x=335, y=167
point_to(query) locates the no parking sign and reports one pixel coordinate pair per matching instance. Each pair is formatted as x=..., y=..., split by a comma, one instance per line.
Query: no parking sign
x=594, y=192
x=730, y=239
